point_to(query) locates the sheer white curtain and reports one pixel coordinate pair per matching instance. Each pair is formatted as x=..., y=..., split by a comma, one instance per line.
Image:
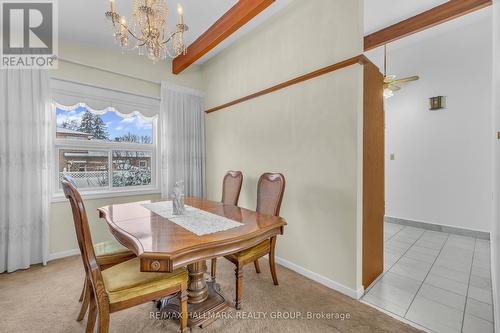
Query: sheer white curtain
x=182, y=140
x=25, y=151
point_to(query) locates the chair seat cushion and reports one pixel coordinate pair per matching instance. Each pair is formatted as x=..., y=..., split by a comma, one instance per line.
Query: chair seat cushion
x=261, y=248
x=111, y=252
x=109, y=247
x=125, y=281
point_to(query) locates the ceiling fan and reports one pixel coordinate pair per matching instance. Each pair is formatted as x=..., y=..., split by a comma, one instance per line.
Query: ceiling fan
x=391, y=83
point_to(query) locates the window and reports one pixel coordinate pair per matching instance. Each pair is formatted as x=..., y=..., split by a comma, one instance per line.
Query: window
x=105, y=139
x=105, y=151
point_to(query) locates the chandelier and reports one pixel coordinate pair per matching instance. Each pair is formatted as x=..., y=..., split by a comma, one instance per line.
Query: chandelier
x=149, y=29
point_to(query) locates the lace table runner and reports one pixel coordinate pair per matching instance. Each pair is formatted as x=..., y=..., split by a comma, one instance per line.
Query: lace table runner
x=195, y=220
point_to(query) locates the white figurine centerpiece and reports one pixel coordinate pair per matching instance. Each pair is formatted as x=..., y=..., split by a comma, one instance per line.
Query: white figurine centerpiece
x=178, y=199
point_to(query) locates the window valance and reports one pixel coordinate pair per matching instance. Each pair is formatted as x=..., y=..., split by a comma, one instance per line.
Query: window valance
x=67, y=95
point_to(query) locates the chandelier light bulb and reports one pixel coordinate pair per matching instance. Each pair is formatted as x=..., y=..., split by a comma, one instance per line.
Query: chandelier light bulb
x=180, y=11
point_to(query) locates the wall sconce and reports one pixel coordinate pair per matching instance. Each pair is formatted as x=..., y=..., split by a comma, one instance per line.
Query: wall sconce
x=437, y=103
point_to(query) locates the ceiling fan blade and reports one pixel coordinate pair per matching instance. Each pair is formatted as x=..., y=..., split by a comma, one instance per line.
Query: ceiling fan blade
x=394, y=87
x=389, y=78
x=407, y=79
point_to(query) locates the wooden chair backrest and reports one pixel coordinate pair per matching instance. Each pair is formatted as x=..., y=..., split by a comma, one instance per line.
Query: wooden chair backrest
x=270, y=190
x=231, y=187
x=83, y=235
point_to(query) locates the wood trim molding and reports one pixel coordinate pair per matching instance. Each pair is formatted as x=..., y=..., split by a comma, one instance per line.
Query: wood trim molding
x=360, y=59
x=373, y=174
x=242, y=12
x=437, y=15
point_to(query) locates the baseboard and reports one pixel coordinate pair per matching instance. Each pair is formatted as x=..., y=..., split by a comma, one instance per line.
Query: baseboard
x=356, y=294
x=439, y=227
x=63, y=254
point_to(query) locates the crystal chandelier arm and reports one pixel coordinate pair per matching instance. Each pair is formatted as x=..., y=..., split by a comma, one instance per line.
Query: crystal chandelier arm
x=128, y=29
x=180, y=29
x=170, y=37
x=114, y=16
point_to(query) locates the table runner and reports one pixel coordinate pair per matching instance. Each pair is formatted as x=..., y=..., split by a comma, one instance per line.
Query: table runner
x=197, y=221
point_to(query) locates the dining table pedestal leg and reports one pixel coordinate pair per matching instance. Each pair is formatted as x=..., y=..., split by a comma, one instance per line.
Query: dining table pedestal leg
x=197, y=287
x=205, y=299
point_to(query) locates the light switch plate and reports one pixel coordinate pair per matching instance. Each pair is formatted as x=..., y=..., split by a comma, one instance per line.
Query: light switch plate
x=392, y=157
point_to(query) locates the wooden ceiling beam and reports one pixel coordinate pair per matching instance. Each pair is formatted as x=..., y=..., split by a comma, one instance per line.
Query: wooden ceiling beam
x=242, y=12
x=437, y=15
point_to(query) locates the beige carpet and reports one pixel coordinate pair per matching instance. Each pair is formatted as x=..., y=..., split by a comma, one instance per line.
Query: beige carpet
x=44, y=299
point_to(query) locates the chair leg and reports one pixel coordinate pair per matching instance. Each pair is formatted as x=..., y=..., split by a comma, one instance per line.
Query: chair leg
x=257, y=266
x=104, y=321
x=92, y=314
x=239, y=286
x=213, y=268
x=184, y=314
x=272, y=264
x=86, y=301
x=103, y=309
x=83, y=290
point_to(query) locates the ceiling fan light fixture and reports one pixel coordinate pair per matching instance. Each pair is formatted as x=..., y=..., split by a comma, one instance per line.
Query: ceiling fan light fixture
x=391, y=82
x=388, y=93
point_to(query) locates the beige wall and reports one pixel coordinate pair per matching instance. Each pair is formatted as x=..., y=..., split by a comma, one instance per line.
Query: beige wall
x=62, y=233
x=309, y=132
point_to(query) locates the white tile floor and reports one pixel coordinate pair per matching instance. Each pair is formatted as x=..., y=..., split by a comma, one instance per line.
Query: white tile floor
x=439, y=281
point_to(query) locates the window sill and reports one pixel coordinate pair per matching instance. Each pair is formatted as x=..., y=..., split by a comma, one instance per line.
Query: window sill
x=89, y=195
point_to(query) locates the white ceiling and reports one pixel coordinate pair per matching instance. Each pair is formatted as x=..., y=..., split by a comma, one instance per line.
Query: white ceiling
x=83, y=21
x=380, y=14
x=259, y=19
x=383, y=13
x=482, y=16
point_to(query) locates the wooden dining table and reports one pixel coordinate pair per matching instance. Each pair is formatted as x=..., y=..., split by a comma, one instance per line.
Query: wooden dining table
x=162, y=246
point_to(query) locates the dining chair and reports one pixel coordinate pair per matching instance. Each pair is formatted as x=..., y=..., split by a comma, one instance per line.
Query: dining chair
x=107, y=253
x=123, y=285
x=231, y=188
x=270, y=189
